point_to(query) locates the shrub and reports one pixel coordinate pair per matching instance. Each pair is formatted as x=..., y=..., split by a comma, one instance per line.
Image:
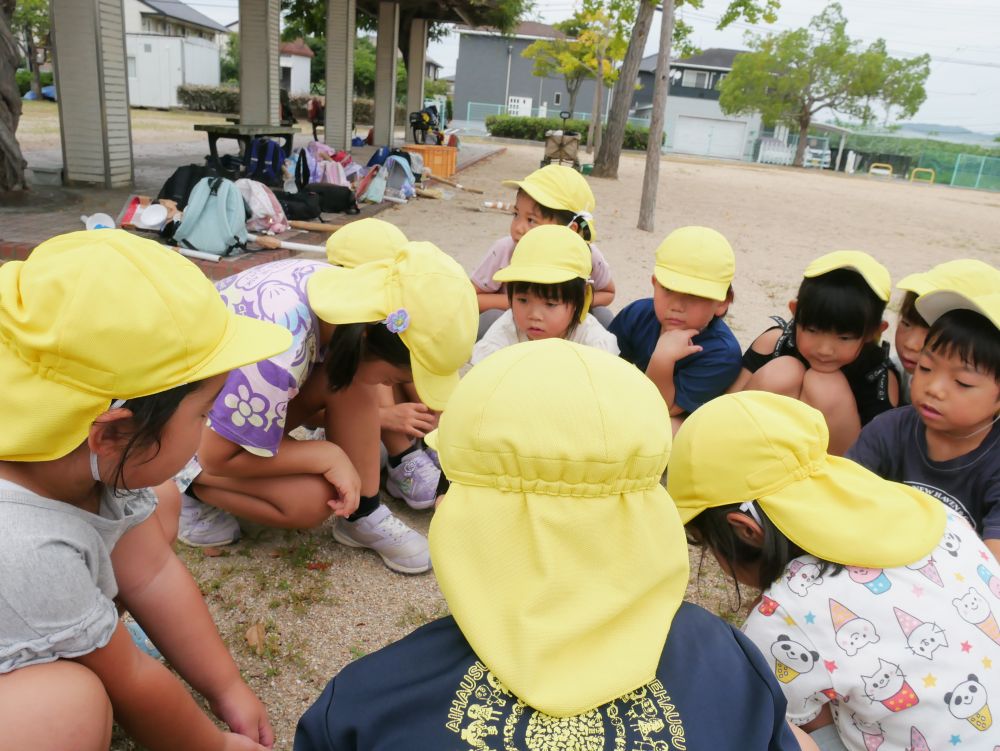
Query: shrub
x=225, y=99
x=23, y=78
x=533, y=129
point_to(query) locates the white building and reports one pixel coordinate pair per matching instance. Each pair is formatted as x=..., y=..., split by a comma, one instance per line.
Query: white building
x=168, y=44
x=296, y=67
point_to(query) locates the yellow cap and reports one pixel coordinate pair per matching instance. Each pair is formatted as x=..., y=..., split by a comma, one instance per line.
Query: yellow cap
x=557, y=186
x=364, y=241
x=757, y=446
x=936, y=303
x=550, y=254
x=423, y=295
x=874, y=273
x=91, y=317
x=560, y=554
x=696, y=261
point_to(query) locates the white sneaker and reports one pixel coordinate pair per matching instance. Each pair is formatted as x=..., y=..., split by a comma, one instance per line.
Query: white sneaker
x=402, y=549
x=204, y=526
x=415, y=480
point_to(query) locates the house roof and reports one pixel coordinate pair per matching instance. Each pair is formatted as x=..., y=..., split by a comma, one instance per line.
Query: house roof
x=525, y=29
x=182, y=12
x=718, y=58
x=432, y=61
x=297, y=47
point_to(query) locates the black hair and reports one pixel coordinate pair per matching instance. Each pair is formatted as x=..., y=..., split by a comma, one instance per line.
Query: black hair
x=971, y=337
x=839, y=301
x=150, y=414
x=572, y=292
x=564, y=217
x=353, y=342
x=772, y=558
x=908, y=311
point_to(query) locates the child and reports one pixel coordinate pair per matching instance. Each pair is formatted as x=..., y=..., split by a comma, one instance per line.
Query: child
x=548, y=283
x=112, y=351
x=828, y=355
x=879, y=608
x=948, y=442
x=554, y=194
x=411, y=318
x=678, y=337
x=563, y=564
x=411, y=472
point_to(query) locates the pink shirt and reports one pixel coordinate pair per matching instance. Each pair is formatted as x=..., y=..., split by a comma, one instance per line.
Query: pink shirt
x=499, y=254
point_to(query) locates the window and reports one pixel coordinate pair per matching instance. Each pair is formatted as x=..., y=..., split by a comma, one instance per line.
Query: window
x=131, y=66
x=557, y=99
x=695, y=79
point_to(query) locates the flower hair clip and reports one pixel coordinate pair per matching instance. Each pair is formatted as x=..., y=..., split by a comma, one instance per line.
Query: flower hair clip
x=398, y=322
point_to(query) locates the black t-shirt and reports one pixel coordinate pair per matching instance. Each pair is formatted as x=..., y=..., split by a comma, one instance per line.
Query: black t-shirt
x=894, y=446
x=428, y=692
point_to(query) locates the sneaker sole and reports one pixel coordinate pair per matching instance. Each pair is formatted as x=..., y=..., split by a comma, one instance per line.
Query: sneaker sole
x=397, y=567
x=415, y=505
x=218, y=544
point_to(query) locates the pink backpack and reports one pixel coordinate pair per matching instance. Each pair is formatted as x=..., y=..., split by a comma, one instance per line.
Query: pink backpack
x=268, y=215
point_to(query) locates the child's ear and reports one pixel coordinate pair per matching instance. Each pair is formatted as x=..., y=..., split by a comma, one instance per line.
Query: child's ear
x=746, y=529
x=882, y=327
x=792, y=305
x=652, y=280
x=109, y=432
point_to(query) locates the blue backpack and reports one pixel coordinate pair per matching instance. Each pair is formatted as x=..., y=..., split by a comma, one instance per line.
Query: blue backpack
x=215, y=220
x=264, y=160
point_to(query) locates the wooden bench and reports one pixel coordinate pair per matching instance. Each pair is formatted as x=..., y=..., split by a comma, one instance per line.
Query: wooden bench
x=244, y=134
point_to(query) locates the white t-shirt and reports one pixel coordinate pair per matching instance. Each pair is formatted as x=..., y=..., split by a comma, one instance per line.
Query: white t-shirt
x=504, y=333
x=499, y=255
x=907, y=657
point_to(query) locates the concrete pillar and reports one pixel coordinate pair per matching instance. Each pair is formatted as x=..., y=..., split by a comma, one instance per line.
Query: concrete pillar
x=340, y=32
x=260, y=102
x=386, y=45
x=91, y=77
x=415, y=67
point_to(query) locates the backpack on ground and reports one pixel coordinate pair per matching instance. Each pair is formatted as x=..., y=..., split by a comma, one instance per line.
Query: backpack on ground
x=215, y=220
x=179, y=185
x=334, y=198
x=399, y=180
x=302, y=205
x=372, y=186
x=266, y=213
x=263, y=161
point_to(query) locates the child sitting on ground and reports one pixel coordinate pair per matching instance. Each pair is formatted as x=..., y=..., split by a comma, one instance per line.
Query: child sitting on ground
x=411, y=473
x=879, y=608
x=948, y=442
x=112, y=349
x=829, y=355
x=554, y=194
x=548, y=284
x=677, y=337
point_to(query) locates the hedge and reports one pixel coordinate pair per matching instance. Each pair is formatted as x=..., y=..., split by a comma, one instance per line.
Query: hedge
x=226, y=99
x=533, y=129
x=23, y=78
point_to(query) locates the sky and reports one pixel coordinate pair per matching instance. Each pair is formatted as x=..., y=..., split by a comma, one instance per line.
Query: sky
x=962, y=37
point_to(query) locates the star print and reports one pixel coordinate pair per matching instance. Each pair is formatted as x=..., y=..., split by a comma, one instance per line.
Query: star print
x=987, y=663
x=966, y=647
x=959, y=577
x=930, y=680
x=810, y=617
x=955, y=740
x=917, y=590
x=789, y=620
x=830, y=665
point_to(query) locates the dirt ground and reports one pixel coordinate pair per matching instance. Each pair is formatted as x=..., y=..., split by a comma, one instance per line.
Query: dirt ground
x=322, y=605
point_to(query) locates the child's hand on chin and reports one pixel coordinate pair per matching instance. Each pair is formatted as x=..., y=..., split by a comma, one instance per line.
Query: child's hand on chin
x=676, y=345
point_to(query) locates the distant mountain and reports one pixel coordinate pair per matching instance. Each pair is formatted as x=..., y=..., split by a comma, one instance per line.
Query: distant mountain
x=953, y=133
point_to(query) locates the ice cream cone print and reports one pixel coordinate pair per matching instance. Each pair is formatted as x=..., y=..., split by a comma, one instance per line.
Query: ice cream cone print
x=840, y=614
x=982, y=720
x=874, y=579
x=991, y=581
x=917, y=741
x=929, y=570
x=905, y=698
x=906, y=621
x=872, y=741
x=990, y=628
x=784, y=673
x=767, y=605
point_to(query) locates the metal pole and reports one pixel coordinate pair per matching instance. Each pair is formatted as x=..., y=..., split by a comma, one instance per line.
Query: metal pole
x=506, y=91
x=982, y=163
x=840, y=151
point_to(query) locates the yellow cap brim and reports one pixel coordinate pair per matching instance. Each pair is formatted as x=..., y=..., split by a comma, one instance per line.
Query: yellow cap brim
x=690, y=285
x=918, y=283
x=434, y=389
x=431, y=439
x=881, y=289
x=549, y=200
x=46, y=420
x=361, y=300
x=936, y=303
x=537, y=274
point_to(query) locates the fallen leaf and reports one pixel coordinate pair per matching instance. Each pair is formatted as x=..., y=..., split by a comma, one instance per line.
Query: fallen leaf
x=276, y=554
x=255, y=638
x=318, y=565
x=214, y=552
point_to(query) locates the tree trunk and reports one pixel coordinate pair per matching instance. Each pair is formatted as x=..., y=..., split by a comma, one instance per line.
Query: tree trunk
x=12, y=164
x=800, y=148
x=651, y=177
x=594, y=130
x=31, y=54
x=606, y=163
x=572, y=89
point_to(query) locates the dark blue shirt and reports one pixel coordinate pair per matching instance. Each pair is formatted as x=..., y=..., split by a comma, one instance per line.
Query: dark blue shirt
x=429, y=692
x=698, y=378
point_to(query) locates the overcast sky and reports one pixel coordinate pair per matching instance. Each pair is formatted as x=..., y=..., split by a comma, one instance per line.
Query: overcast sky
x=962, y=37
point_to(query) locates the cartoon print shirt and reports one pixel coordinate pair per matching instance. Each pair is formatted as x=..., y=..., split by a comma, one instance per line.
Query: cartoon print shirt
x=499, y=255
x=906, y=657
x=251, y=408
x=429, y=692
x=504, y=333
x=894, y=446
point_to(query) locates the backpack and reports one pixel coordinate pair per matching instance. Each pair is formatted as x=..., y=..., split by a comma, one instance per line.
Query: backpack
x=263, y=161
x=302, y=205
x=372, y=186
x=399, y=180
x=334, y=198
x=267, y=214
x=379, y=157
x=215, y=220
x=179, y=185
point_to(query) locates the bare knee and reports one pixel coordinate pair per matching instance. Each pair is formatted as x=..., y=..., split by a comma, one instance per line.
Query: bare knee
x=75, y=713
x=782, y=375
x=831, y=394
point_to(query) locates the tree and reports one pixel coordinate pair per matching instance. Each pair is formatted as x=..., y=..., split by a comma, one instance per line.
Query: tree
x=12, y=163
x=651, y=176
x=31, y=19
x=229, y=66
x=753, y=11
x=561, y=57
x=790, y=77
x=604, y=39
